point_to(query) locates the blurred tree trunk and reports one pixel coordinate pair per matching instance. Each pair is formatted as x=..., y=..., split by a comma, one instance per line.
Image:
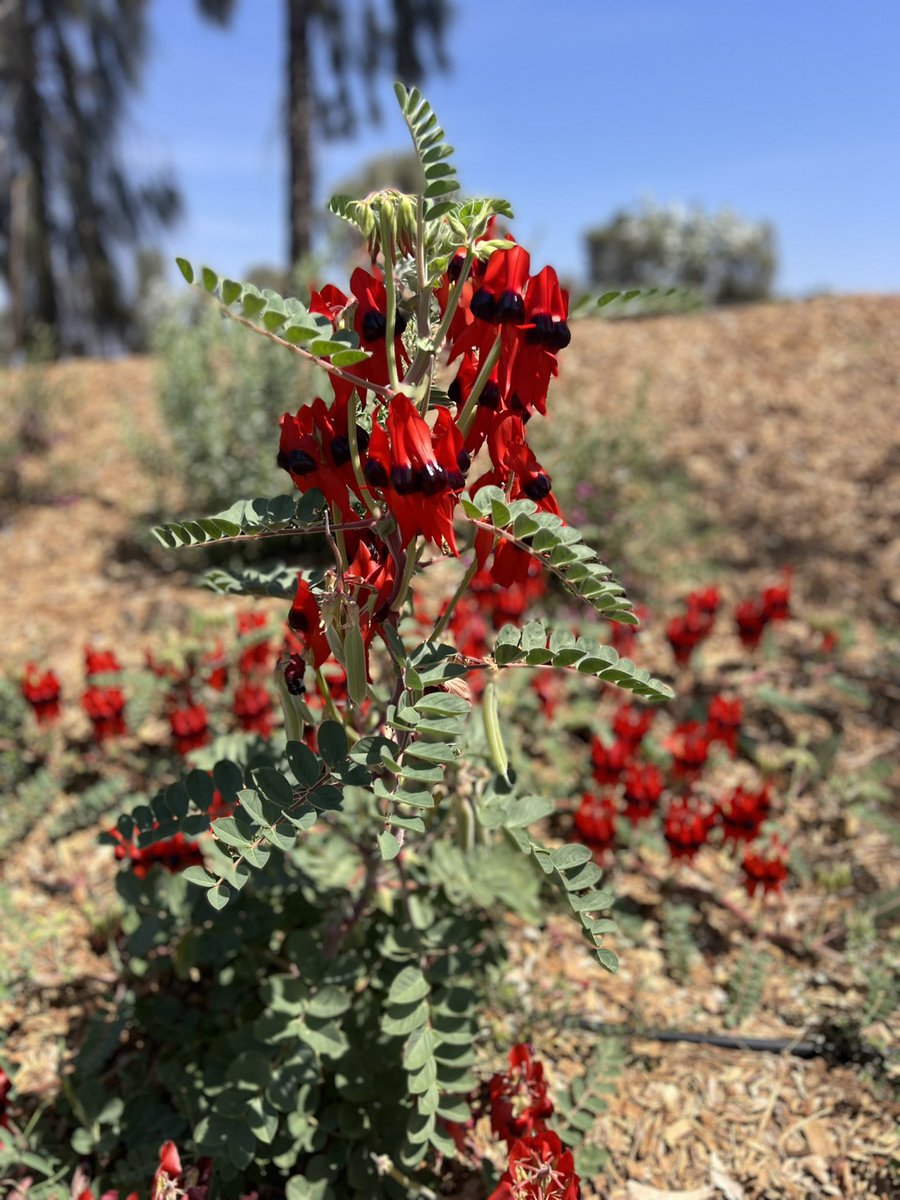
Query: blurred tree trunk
x=28, y=251
x=299, y=132
x=336, y=51
x=69, y=212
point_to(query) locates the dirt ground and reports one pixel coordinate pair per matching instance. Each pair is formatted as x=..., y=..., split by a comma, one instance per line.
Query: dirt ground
x=785, y=418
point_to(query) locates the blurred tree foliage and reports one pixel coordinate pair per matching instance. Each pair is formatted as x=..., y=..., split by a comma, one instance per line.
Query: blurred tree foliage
x=722, y=256
x=336, y=50
x=68, y=204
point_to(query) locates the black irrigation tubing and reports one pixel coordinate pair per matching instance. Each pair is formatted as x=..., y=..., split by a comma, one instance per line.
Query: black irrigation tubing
x=834, y=1045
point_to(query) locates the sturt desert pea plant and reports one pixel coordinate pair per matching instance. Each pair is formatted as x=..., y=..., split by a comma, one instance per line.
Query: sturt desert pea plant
x=363, y=855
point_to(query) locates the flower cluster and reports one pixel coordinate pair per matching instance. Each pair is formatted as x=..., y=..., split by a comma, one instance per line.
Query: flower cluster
x=634, y=789
x=687, y=630
x=390, y=467
x=5, y=1089
x=766, y=868
x=188, y=686
x=41, y=690
x=751, y=616
x=540, y=1167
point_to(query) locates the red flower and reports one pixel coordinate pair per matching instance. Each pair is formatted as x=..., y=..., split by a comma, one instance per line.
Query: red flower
x=426, y=472
x=315, y=451
x=539, y=1169
x=499, y=299
x=622, y=638
x=42, y=692
x=214, y=662
x=704, y=600
x=173, y=854
x=743, y=812
x=190, y=727
x=518, y=1098
x=105, y=707
x=172, y=1180
x=100, y=662
x=370, y=323
x=685, y=633
x=631, y=723
x=330, y=303
x=595, y=821
x=547, y=686
x=776, y=601
x=643, y=789
x=256, y=649
x=252, y=705
x=305, y=621
x=723, y=720
x=608, y=762
x=768, y=871
x=5, y=1089
x=750, y=618
x=688, y=744
x=543, y=335
x=686, y=828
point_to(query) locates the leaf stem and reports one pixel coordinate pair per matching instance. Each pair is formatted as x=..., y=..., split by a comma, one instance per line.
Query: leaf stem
x=390, y=292
x=314, y=358
x=467, y=415
x=444, y=619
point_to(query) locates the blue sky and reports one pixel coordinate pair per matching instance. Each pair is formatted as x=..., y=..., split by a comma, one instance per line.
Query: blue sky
x=785, y=109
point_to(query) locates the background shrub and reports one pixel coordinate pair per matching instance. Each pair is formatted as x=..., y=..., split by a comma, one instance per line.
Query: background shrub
x=220, y=394
x=722, y=256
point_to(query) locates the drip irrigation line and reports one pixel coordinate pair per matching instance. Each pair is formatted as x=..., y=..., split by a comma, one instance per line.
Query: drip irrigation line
x=837, y=1046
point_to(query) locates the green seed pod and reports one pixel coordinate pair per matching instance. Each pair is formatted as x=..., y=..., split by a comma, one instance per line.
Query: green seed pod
x=355, y=656
x=492, y=730
x=406, y=224
x=465, y=824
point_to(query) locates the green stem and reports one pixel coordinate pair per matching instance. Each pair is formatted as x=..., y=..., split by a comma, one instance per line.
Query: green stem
x=453, y=301
x=333, y=710
x=390, y=291
x=424, y=358
x=409, y=566
x=444, y=619
x=468, y=413
x=354, y=457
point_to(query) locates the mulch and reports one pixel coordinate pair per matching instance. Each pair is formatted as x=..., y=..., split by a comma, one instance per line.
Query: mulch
x=784, y=419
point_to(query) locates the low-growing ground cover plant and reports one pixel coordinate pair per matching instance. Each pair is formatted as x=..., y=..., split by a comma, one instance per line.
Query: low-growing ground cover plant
x=357, y=800
x=323, y=955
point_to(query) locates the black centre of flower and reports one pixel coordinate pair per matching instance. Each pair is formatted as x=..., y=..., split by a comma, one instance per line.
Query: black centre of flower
x=376, y=473
x=293, y=675
x=490, y=396
x=484, y=305
x=546, y=331
x=541, y=330
x=297, y=621
x=454, y=269
x=401, y=320
x=537, y=486
x=432, y=479
x=454, y=391
x=404, y=480
x=300, y=463
x=510, y=308
x=464, y=460
x=374, y=325
x=340, y=447
x=456, y=481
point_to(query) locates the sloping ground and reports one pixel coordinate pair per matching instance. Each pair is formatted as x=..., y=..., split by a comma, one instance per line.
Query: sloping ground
x=784, y=419
x=784, y=416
